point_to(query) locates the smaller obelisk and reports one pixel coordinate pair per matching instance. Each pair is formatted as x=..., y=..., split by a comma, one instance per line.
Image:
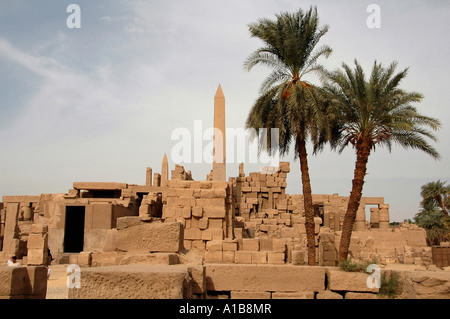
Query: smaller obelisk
x=219, y=164
x=164, y=171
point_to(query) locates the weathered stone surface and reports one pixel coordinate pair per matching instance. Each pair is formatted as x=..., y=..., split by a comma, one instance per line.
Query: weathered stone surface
x=293, y=295
x=348, y=281
x=37, y=276
x=152, y=237
x=250, y=295
x=360, y=295
x=13, y=281
x=134, y=282
x=99, y=186
x=264, y=277
x=327, y=294
x=128, y=221
x=23, y=282
x=425, y=285
x=150, y=259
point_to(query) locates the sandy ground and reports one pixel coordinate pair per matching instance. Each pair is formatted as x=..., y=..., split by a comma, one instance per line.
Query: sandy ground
x=57, y=283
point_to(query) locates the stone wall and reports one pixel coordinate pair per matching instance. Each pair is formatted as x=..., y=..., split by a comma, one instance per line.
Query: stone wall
x=23, y=282
x=202, y=208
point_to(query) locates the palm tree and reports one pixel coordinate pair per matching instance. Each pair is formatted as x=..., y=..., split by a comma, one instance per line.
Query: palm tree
x=287, y=101
x=433, y=220
x=373, y=112
x=438, y=193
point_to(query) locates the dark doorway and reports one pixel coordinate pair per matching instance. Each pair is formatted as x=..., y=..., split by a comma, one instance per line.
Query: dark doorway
x=74, y=229
x=318, y=212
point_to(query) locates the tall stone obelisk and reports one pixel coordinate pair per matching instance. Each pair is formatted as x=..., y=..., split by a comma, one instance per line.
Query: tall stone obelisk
x=219, y=164
x=164, y=171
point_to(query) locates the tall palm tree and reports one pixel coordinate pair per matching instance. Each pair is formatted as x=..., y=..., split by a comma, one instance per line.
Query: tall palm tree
x=436, y=192
x=433, y=220
x=373, y=112
x=287, y=101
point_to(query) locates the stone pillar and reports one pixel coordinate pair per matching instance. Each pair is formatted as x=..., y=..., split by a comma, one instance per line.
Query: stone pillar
x=164, y=171
x=384, y=216
x=10, y=235
x=37, y=245
x=360, y=220
x=337, y=221
x=148, y=176
x=327, y=249
x=326, y=215
x=375, y=218
x=27, y=213
x=219, y=164
x=156, y=179
x=241, y=170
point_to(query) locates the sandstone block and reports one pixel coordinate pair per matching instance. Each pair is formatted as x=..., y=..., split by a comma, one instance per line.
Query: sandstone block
x=14, y=282
x=37, y=257
x=198, y=282
x=203, y=223
x=349, y=281
x=280, y=278
x=37, y=276
x=250, y=295
x=207, y=234
x=360, y=295
x=265, y=244
x=279, y=245
x=214, y=212
x=207, y=202
x=84, y=259
x=213, y=256
x=197, y=211
x=214, y=245
x=193, y=233
x=39, y=228
x=259, y=257
x=298, y=257
x=250, y=244
x=327, y=294
x=230, y=245
x=293, y=295
x=152, y=237
x=128, y=221
x=243, y=257
x=217, y=233
x=274, y=257
x=23, y=282
x=119, y=282
x=228, y=256
x=186, y=212
x=37, y=241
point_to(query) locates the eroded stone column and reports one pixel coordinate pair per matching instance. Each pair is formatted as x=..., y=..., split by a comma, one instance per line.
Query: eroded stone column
x=384, y=216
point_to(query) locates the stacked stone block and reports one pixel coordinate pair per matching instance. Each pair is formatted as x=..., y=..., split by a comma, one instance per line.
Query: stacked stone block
x=249, y=251
x=38, y=245
x=201, y=207
x=260, y=200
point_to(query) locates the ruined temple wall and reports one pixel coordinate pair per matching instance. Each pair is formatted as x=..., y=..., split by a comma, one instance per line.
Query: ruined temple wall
x=202, y=207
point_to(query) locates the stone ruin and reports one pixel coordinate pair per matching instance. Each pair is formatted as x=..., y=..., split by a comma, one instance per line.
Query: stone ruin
x=182, y=238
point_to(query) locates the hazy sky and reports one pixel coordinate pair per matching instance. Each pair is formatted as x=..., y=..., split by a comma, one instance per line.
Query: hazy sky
x=100, y=102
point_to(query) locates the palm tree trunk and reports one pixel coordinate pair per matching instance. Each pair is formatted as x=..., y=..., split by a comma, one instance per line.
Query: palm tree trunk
x=307, y=201
x=362, y=155
x=441, y=203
